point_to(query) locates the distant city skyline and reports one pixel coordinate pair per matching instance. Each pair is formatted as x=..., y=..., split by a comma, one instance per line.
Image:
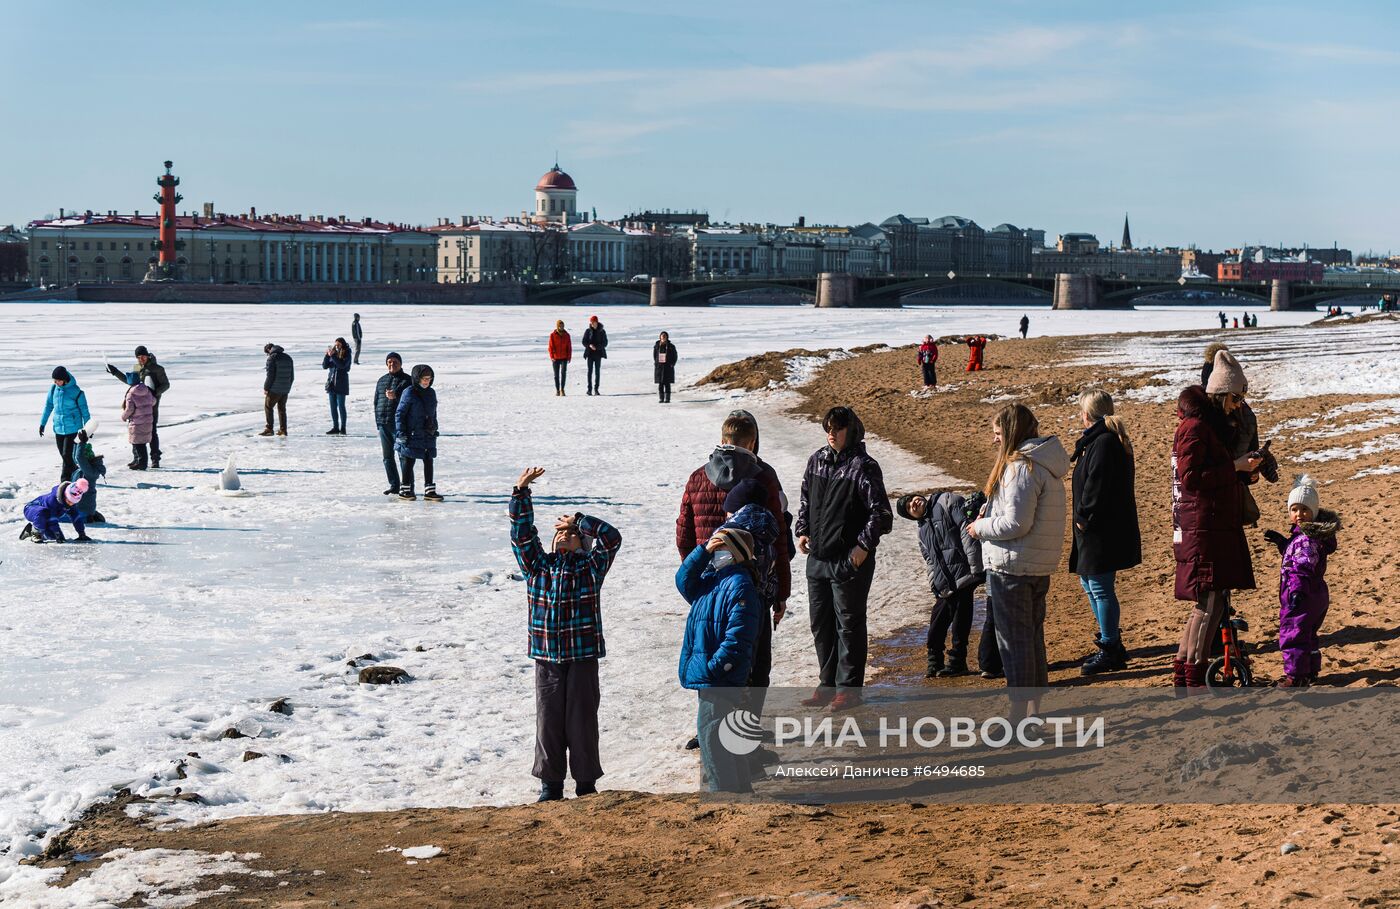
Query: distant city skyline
x=1256, y=124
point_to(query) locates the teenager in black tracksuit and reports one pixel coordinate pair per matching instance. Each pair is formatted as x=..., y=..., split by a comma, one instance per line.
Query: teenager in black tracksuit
x=843, y=513
x=954, y=564
x=387, y=391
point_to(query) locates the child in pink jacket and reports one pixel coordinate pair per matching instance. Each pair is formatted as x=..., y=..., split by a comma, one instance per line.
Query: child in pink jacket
x=138, y=411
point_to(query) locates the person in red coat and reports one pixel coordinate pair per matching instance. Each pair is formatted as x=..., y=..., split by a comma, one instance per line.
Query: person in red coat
x=1212, y=555
x=561, y=351
x=928, y=361
x=975, y=346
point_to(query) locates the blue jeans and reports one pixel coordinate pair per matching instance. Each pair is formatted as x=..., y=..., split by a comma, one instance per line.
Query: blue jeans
x=726, y=771
x=1104, y=601
x=337, y=410
x=391, y=461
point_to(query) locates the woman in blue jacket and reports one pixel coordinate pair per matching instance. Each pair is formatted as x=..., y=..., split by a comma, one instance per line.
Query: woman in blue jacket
x=67, y=405
x=337, y=360
x=717, y=654
x=415, y=433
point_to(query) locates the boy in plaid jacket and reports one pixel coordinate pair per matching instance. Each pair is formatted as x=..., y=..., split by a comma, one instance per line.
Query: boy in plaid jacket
x=566, y=636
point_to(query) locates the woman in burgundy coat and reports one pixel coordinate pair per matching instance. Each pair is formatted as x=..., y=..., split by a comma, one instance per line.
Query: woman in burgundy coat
x=1212, y=556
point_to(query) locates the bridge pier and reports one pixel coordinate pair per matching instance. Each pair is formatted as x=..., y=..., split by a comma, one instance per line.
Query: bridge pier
x=1077, y=291
x=836, y=290
x=660, y=292
x=1280, y=296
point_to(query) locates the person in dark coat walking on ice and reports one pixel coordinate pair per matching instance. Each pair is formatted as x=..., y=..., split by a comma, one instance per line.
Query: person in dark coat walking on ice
x=564, y=587
x=1106, y=538
x=953, y=562
x=1025, y=326
x=843, y=514
x=277, y=385
x=67, y=404
x=416, y=432
x=1212, y=556
x=928, y=361
x=337, y=362
x=58, y=504
x=153, y=374
x=595, y=351
x=387, y=392
x=663, y=358
x=357, y=334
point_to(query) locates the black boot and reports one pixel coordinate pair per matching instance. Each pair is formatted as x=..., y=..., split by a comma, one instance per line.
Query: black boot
x=551, y=792
x=27, y=532
x=935, y=664
x=1111, y=657
x=956, y=666
x=581, y=789
x=430, y=494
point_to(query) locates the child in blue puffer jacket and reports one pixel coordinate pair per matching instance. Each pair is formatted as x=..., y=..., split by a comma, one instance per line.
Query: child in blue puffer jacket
x=717, y=654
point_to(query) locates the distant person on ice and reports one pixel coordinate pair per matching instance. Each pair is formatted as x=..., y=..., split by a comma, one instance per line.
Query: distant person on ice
x=387, y=390
x=663, y=358
x=928, y=361
x=561, y=351
x=357, y=334
x=276, y=386
x=843, y=514
x=717, y=580
x=153, y=374
x=416, y=432
x=68, y=406
x=953, y=562
x=1025, y=326
x=58, y=504
x=975, y=347
x=1224, y=322
x=564, y=596
x=337, y=361
x=595, y=351
x=138, y=412
x=1302, y=589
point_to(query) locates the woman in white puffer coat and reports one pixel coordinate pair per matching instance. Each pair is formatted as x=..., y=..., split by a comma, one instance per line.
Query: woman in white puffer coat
x=1022, y=529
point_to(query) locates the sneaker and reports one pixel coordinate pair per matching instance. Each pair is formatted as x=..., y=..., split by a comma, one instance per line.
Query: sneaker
x=281, y=432
x=954, y=668
x=266, y=432
x=988, y=674
x=846, y=699
x=551, y=792
x=693, y=744
x=582, y=789
x=1289, y=681
x=820, y=698
x=28, y=532
x=431, y=495
x=332, y=432
x=391, y=491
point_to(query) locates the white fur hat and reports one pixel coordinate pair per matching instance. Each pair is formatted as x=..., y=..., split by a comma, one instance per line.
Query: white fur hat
x=1305, y=493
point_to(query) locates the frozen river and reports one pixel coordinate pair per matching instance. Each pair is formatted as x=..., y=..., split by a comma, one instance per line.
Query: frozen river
x=193, y=610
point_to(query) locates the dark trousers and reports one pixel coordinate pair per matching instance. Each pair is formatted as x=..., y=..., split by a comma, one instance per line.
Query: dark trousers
x=988, y=656
x=391, y=461
x=837, y=611
x=66, y=443
x=762, y=664
x=951, y=612
x=1018, y=602
x=663, y=392
x=155, y=434
x=725, y=771
x=357, y=351
x=138, y=456
x=566, y=721
x=595, y=372
x=406, y=470
x=930, y=371
x=270, y=401
x=561, y=373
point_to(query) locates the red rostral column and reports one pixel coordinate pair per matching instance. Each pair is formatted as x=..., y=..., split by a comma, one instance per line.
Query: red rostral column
x=167, y=197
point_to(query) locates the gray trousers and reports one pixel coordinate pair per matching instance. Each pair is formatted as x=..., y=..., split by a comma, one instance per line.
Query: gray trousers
x=1017, y=604
x=566, y=721
x=837, y=612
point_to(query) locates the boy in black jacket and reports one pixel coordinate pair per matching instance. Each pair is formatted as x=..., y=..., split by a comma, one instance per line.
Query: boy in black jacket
x=954, y=564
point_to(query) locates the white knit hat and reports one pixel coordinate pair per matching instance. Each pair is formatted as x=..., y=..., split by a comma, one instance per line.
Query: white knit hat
x=1227, y=375
x=1305, y=493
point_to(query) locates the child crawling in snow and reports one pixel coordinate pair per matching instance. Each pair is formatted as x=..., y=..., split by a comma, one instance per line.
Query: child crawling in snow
x=58, y=504
x=1302, y=591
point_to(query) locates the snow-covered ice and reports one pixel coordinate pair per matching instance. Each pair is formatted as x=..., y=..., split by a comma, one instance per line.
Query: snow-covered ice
x=194, y=611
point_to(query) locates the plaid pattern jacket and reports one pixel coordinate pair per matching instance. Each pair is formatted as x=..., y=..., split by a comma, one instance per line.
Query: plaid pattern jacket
x=563, y=589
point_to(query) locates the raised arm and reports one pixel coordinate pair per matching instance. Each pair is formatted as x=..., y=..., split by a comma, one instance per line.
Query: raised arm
x=606, y=542
x=524, y=539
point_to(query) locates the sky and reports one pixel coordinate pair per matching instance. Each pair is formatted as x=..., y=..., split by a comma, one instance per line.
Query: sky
x=1272, y=123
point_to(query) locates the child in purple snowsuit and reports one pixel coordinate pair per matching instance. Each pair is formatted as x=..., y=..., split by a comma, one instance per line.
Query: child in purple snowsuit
x=1302, y=590
x=58, y=504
